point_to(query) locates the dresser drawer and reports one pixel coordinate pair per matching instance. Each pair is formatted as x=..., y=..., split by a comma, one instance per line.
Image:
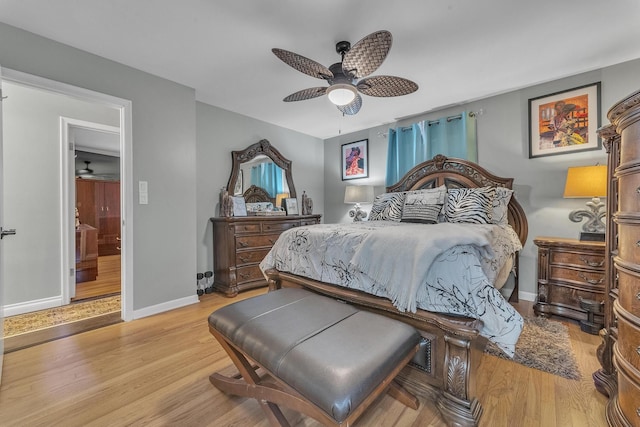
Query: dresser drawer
x=246, y=242
x=629, y=193
x=275, y=227
x=629, y=395
x=629, y=290
x=247, y=228
x=581, y=277
x=249, y=274
x=250, y=257
x=629, y=242
x=628, y=337
x=580, y=259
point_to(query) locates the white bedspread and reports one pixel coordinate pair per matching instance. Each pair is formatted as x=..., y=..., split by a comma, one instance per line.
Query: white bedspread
x=459, y=280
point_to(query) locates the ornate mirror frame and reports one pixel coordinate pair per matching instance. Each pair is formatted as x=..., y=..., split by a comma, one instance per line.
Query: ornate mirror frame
x=262, y=147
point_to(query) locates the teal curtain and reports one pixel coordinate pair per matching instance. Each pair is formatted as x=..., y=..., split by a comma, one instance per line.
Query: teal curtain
x=269, y=177
x=407, y=147
x=453, y=136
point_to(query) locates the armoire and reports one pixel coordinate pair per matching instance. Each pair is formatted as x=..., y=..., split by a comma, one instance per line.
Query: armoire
x=619, y=353
x=98, y=203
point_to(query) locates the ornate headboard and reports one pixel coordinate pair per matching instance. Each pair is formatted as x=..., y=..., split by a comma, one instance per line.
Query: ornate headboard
x=456, y=173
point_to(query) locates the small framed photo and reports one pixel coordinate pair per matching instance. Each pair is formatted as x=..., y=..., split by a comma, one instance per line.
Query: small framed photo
x=355, y=160
x=565, y=122
x=291, y=206
x=239, y=206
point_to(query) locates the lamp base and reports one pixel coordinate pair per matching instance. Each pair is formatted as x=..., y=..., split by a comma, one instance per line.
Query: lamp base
x=591, y=237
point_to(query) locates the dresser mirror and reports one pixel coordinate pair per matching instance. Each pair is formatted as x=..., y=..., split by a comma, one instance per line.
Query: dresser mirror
x=261, y=155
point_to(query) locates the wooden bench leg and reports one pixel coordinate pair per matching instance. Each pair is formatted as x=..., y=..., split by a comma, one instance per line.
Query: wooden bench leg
x=402, y=395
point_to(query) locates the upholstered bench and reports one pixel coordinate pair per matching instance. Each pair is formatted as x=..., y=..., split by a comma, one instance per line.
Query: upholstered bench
x=321, y=357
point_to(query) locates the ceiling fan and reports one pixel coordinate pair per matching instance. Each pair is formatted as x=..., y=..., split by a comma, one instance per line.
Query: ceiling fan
x=348, y=77
x=86, y=170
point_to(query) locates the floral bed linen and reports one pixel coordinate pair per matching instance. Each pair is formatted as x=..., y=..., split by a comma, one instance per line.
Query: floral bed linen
x=459, y=282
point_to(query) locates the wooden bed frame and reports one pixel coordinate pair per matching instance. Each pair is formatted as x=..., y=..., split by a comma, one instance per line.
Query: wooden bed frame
x=451, y=346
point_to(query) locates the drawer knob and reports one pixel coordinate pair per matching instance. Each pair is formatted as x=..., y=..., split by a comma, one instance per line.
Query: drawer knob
x=638, y=349
x=245, y=275
x=244, y=244
x=592, y=263
x=638, y=412
x=272, y=241
x=638, y=296
x=245, y=259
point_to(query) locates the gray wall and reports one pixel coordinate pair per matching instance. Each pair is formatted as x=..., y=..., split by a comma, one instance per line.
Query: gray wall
x=218, y=133
x=164, y=154
x=32, y=191
x=503, y=149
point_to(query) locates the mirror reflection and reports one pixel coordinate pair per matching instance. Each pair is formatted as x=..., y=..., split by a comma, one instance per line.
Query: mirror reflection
x=261, y=174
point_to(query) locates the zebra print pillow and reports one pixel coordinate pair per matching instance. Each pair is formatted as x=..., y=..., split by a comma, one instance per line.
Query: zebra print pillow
x=423, y=206
x=470, y=205
x=387, y=207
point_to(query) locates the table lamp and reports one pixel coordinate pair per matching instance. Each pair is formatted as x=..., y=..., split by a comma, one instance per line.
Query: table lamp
x=358, y=194
x=588, y=182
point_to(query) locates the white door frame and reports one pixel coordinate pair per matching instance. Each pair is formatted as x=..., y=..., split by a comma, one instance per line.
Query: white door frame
x=67, y=157
x=126, y=178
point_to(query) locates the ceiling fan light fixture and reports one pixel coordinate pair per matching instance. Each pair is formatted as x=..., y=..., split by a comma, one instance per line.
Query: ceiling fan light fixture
x=341, y=93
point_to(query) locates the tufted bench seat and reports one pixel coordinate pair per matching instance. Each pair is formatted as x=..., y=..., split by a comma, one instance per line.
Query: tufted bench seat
x=328, y=359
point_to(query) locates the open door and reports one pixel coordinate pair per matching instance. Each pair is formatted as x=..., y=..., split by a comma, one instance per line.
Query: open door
x=2, y=231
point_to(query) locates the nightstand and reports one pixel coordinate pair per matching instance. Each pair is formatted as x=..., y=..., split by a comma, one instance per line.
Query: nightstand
x=571, y=280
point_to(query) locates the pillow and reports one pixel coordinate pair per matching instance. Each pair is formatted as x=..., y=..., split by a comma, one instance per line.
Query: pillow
x=470, y=205
x=387, y=207
x=423, y=206
x=500, y=206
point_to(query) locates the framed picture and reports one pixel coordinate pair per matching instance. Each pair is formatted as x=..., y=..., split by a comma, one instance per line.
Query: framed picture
x=565, y=122
x=239, y=206
x=355, y=159
x=291, y=206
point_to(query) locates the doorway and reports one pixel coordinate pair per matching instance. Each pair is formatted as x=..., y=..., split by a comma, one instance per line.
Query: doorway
x=31, y=290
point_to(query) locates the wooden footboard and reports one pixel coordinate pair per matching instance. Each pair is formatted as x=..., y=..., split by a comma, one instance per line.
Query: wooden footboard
x=451, y=349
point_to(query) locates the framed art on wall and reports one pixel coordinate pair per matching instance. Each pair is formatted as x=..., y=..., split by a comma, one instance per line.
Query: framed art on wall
x=355, y=160
x=565, y=122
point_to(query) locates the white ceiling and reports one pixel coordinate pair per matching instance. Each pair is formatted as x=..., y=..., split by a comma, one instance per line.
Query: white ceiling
x=455, y=50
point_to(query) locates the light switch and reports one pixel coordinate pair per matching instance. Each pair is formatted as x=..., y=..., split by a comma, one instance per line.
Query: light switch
x=143, y=192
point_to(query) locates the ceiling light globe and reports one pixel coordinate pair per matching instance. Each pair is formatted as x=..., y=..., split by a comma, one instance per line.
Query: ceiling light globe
x=341, y=94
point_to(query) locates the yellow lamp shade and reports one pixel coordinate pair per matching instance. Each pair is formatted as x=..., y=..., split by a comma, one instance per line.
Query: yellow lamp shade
x=586, y=182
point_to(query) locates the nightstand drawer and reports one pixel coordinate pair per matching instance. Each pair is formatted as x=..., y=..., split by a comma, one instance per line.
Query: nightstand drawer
x=578, y=259
x=581, y=277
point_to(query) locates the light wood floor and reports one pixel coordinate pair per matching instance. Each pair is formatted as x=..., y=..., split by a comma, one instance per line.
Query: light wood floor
x=107, y=282
x=154, y=372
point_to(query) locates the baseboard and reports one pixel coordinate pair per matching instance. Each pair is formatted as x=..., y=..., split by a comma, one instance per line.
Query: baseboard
x=165, y=306
x=30, y=306
x=527, y=296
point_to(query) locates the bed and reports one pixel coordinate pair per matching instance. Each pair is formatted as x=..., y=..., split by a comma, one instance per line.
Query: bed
x=453, y=334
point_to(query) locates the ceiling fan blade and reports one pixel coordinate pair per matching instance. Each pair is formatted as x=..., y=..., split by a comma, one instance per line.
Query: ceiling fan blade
x=353, y=107
x=301, y=95
x=385, y=86
x=302, y=64
x=366, y=55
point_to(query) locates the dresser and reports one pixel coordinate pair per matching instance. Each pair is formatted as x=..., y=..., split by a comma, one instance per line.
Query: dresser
x=240, y=243
x=571, y=280
x=619, y=353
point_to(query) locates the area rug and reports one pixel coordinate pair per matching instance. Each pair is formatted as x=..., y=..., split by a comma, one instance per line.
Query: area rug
x=37, y=320
x=544, y=344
